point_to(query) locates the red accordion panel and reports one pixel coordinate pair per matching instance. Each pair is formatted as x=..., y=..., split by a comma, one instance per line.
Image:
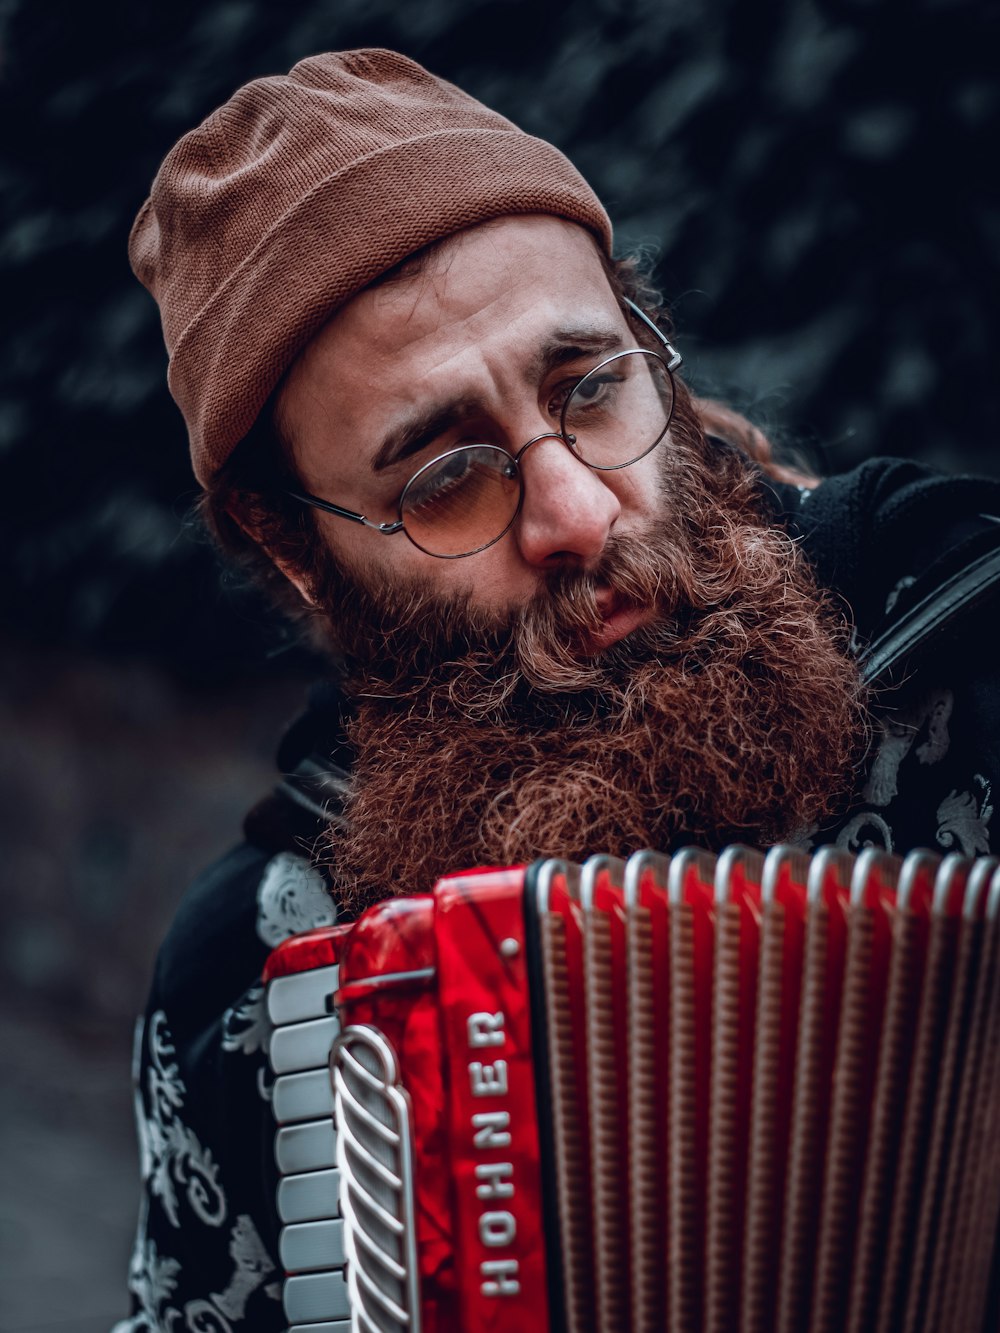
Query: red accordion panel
x=695, y=1093
x=459, y=1022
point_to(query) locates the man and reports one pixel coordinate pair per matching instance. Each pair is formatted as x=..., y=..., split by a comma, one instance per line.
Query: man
x=569, y=607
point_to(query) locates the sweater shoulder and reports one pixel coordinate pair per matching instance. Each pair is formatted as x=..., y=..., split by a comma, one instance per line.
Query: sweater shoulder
x=212, y=951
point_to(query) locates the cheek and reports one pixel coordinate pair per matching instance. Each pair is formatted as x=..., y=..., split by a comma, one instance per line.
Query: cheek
x=641, y=487
x=493, y=578
x=376, y=561
x=496, y=579
x=346, y=541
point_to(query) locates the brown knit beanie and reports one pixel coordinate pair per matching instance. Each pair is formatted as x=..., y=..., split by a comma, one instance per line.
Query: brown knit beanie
x=295, y=195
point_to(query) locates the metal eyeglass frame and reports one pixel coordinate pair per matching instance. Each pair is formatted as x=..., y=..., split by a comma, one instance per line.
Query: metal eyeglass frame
x=390, y=529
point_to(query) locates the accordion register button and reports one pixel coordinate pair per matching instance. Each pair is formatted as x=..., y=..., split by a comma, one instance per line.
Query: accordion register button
x=302, y=1096
x=311, y=1247
x=301, y=996
x=328, y=1326
x=316, y=1194
x=305, y=1147
x=315, y=1296
x=303, y=1045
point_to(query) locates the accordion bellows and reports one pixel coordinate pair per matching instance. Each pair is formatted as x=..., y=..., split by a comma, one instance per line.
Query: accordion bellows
x=689, y=1093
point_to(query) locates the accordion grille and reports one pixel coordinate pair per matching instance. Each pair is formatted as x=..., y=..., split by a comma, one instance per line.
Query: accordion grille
x=916, y=1127
x=847, y=1132
x=972, y=1230
x=570, y=1136
x=936, y=1220
x=807, y=1136
x=647, y=1161
x=686, y=1220
x=945, y=1292
x=611, y=1257
x=887, y=1114
x=764, y=1183
x=374, y=1149
x=765, y=1093
x=723, y=1196
x=981, y=1215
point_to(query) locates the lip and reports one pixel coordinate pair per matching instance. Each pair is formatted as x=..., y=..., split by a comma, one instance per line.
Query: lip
x=620, y=619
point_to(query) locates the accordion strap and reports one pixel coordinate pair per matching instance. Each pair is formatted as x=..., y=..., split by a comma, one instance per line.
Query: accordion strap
x=927, y=620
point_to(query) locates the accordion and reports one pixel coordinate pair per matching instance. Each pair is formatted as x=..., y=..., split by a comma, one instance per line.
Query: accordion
x=698, y=1092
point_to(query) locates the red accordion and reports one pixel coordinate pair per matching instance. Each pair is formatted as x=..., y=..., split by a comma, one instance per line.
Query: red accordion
x=693, y=1093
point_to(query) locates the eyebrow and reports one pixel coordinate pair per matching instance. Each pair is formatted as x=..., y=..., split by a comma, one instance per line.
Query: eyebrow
x=421, y=428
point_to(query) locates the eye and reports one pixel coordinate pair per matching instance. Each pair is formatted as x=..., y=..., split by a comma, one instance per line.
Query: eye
x=558, y=396
x=596, y=386
x=591, y=383
x=459, y=479
x=462, y=501
x=593, y=398
x=437, y=482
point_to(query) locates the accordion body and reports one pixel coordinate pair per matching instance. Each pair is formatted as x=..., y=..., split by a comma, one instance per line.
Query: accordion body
x=694, y=1093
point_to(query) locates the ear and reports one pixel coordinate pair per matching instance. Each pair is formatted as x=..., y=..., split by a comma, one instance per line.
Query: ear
x=297, y=582
x=251, y=533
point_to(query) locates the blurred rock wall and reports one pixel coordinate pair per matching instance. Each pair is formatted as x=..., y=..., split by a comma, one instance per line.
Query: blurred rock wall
x=817, y=178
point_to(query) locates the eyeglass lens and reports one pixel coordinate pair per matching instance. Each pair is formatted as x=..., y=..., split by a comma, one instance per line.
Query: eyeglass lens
x=467, y=499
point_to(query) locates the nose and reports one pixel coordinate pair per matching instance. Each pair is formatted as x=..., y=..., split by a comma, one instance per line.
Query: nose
x=568, y=509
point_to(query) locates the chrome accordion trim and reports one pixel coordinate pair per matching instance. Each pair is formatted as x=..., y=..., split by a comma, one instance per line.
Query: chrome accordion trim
x=375, y=1156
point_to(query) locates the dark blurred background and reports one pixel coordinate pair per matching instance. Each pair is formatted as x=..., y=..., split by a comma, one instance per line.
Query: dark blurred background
x=817, y=181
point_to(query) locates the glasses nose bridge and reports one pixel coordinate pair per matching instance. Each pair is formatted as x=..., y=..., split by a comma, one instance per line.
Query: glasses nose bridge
x=537, y=439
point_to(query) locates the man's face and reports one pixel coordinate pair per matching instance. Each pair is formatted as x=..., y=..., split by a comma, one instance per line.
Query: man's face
x=643, y=660
x=489, y=334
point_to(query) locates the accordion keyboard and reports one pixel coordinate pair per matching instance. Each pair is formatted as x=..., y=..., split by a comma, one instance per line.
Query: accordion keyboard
x=311, y=1242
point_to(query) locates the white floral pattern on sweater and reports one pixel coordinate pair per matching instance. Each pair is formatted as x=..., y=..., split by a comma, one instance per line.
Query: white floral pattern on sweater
x=182, y=1175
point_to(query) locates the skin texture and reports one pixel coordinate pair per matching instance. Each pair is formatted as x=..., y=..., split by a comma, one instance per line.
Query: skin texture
x=470, y=324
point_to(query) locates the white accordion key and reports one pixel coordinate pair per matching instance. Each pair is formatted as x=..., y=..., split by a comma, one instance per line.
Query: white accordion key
x=310, y=1147
x=313, y=1297
x=310, y=1247
x=304, y=1198
x=305, y=1096
x=302, y=995
x=303, y=1045
x=327, y=1326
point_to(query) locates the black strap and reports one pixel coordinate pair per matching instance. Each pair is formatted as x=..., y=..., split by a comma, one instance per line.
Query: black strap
x=965, y=591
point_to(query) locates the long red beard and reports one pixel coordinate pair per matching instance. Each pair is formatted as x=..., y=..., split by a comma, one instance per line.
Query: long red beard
x=737, y=715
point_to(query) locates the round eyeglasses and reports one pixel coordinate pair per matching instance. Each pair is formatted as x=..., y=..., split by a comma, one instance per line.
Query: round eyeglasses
x=466, y=499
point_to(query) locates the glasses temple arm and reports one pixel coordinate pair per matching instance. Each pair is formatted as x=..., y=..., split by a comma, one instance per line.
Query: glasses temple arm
x=675, y=356
x=387, y=529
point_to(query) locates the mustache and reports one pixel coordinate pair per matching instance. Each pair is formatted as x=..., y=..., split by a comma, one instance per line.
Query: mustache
x=536, y=661
x=481, y=659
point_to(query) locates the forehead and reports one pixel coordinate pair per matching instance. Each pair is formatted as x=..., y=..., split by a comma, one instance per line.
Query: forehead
x=487, y=294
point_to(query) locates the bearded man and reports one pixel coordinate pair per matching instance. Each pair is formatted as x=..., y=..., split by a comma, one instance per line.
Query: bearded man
x=568, y=606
